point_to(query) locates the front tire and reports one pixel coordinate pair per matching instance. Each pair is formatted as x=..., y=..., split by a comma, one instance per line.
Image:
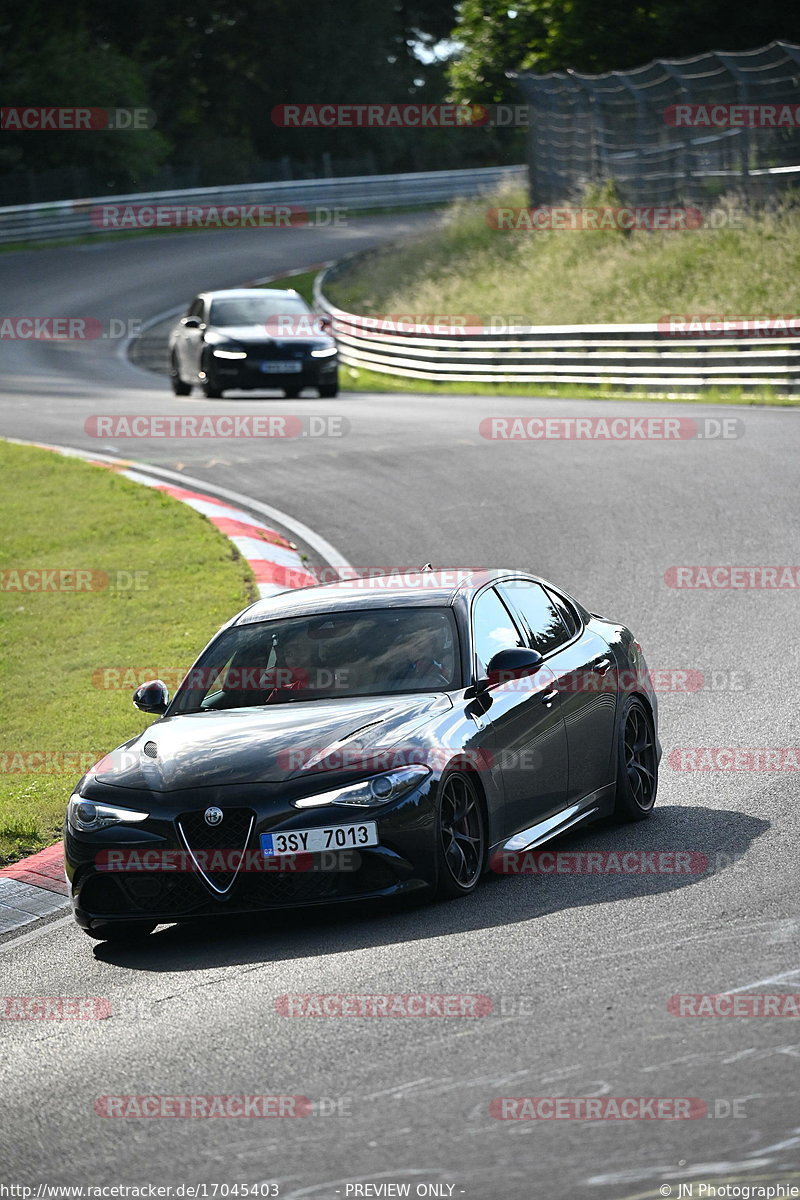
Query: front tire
x=637, y=763
x=327, y=391
x=178, y=386
x=460, y=836
x=209, y=386
x=122, y=931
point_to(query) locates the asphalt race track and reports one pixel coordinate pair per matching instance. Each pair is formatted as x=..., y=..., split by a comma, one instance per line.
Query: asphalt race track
x=580, y=967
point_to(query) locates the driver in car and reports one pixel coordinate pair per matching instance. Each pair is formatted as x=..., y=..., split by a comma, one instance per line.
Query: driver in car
x=423, y=650
x=290, y=672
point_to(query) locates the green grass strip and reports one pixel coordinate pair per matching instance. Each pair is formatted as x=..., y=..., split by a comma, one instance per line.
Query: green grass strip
x=172, y=581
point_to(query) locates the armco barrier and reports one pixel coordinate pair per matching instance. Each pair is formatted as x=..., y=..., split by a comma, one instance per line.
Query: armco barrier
x=636, y=357
x=72, y=218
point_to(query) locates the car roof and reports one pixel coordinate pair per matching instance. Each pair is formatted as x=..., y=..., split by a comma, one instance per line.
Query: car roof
x=242, y=293
x=403, y=589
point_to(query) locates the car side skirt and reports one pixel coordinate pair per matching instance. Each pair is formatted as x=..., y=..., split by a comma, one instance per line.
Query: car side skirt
x=596, y=804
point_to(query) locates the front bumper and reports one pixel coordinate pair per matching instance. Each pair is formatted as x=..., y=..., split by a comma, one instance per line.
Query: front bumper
x=247, y=374
x=404, y=862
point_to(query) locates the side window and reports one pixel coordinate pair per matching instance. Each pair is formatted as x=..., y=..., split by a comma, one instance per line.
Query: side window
x=568, y=614
x=547, y=630
x=196, y=309
x=493, y=629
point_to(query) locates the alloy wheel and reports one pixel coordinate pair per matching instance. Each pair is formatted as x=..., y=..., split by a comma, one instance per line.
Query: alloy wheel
x=461, y=831
x=640, y=758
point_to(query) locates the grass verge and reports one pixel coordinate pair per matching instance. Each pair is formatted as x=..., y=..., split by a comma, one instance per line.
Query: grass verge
x=302, y=283
x=354, y=379
x=172, y=579
x=745, y=266
x=562, y=277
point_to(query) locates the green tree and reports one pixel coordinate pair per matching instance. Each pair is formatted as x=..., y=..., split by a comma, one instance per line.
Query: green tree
x=553, y=35
x=65, y=69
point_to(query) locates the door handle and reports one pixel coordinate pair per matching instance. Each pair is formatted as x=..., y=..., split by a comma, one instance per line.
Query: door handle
x=549, y=697
x=602, y=666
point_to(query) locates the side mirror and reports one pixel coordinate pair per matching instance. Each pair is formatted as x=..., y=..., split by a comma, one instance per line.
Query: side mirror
x=515, y=663
x=152, y=697
x=325, y=323
x=190, y=322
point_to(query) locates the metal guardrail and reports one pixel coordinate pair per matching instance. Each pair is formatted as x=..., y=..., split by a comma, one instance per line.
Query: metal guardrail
x=74, y=218
x=640, y=357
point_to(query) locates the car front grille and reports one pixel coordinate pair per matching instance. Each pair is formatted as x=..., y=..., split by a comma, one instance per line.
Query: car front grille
x=231, y=834
x=267, y=888
x=182, y=893
x=154, y=892
x=256, y=351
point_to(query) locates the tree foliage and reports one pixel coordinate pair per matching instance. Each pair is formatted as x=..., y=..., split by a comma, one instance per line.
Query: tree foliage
x=212, y=73
x=553, y=35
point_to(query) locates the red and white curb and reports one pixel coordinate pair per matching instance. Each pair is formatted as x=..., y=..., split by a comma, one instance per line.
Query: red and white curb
x=273, y=559
x=35, y=887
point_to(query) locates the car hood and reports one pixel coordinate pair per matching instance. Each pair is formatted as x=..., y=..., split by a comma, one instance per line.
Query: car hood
x=269, y=744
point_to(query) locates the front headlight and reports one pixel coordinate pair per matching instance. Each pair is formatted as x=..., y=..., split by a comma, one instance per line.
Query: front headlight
x=229, y=353
x=324, y=352
x=369, y=793
x=86, y=816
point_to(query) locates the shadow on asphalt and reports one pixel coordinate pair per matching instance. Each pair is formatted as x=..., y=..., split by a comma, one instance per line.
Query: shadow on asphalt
x=722, y=835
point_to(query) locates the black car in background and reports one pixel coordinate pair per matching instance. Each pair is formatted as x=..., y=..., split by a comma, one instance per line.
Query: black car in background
x=368, y=738
x=252, y=338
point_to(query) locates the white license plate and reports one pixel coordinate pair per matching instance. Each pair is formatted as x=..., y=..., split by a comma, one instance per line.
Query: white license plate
x=281, y=368
x=314, y=841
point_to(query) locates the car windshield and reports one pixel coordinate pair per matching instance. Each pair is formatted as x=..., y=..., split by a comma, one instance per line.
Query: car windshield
x=325, y=656
x=254, y=310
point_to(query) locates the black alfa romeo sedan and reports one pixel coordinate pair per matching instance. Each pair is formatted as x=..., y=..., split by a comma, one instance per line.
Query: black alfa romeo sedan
x=368, y=738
